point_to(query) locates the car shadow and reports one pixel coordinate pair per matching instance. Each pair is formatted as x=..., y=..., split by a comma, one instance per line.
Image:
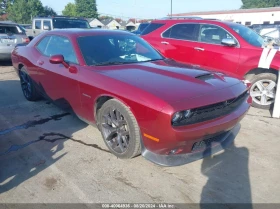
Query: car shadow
x=6, y=63
x=228, y=179
x=28, y=148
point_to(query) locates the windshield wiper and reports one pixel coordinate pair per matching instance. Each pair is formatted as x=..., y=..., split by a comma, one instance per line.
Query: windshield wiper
x=110, y=63
x=152, y=60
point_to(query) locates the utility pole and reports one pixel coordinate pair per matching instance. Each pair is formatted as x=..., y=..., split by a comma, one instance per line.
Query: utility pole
x=171, y=8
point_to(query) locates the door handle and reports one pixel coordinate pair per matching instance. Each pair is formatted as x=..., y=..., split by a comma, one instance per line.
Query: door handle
x=198, y=49
x=40, y=62
x=165, y=42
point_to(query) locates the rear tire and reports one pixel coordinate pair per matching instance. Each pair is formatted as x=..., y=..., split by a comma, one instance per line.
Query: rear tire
x=119, y=129
x=27, y=85
x=263, y=90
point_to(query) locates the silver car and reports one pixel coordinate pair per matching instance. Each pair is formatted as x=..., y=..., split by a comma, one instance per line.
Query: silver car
x=11, y=34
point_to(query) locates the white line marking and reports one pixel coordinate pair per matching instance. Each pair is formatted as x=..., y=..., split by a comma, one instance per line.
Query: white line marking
x=270, y=58
x=276, y=109
x=267, y=57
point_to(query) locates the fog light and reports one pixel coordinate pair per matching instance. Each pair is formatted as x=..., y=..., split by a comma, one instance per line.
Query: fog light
x=175, y=151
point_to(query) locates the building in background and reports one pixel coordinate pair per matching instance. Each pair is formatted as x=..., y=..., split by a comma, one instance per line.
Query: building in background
x=243, y=16
x=111, y=24
x=95, y=23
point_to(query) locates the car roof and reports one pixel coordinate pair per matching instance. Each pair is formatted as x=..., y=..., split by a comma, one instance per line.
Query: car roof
x=8, y=24
x=60, y=17
x=190, y=21
x=86, y=32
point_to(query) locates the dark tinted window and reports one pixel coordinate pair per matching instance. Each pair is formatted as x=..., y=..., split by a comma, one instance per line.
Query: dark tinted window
x=116, y=49
x=37, y=24
x=247, y=34
x=247, y=23
x=6, y=29
x=167, y=33
x=70, y=23
x=151, y=27
x=61, y=45
x=47, y=23
x=43, y=44
x=143, y=26
x=213, y=34
x=183, y=32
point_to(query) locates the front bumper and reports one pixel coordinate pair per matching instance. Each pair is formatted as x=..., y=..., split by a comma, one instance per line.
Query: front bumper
x=4, y=56
x=224, y=141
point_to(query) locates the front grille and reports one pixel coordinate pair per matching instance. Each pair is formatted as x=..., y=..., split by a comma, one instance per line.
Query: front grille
x=213, y=111
x=206, y=143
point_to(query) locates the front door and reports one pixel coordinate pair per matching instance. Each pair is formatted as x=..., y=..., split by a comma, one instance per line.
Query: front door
x=179, y=41
x=210, y=53
x=56, y=81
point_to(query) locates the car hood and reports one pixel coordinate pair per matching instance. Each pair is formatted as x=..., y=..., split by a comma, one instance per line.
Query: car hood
x=169, y=80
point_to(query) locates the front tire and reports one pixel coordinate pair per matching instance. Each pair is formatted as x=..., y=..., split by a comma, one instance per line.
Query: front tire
x=27, y=86
x=119, y=129
x=263, y=90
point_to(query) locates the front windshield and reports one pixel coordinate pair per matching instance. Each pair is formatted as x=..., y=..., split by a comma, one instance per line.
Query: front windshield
x=60, y=23
x=116, y=49
x=248, y=34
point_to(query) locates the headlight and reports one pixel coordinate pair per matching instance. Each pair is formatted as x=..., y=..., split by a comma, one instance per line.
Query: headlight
x=182, y=115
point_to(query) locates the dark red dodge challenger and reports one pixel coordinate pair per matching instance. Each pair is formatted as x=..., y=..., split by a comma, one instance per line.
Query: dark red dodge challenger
x=141, y=102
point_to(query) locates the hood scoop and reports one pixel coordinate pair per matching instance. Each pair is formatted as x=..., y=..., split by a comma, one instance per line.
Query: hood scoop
x=206, y=76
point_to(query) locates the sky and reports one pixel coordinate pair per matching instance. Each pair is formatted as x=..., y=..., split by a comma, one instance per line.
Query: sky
x=142, y=9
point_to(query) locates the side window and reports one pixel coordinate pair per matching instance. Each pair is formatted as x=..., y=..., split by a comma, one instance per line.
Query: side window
x=212, y=34
x=182, y=32
x=166, y=34
x=61, y=45
x=47, y=23
x=151, y=28
x=43, y=44
x=38, y=24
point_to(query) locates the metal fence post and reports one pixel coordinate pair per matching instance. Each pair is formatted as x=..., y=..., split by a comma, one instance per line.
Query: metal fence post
x=276, y=109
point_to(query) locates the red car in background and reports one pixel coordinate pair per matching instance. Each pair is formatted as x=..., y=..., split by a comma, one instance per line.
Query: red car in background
x=141, y=102
x=223, y=46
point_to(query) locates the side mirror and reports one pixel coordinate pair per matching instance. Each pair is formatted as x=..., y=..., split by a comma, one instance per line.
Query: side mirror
x=229, y=42
x=46, y=27
x=59, y=59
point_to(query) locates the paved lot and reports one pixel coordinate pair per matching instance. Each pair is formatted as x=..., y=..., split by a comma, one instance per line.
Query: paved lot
x=49, y=156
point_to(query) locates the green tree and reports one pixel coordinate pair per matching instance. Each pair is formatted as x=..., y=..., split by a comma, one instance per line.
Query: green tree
x=70, y=10
x=48, y=11
x=35, y=8
x=22, y=11
x=86, y=8
x=4, y=6
x=248, y=4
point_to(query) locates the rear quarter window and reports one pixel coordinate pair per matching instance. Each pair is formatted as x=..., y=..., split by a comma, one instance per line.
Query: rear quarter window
x=151, y=27
x=42, y=45
x=5, y=29
x=182, y=32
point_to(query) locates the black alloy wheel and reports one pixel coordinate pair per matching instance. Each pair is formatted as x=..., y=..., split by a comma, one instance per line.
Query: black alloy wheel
x=119, y=129
x=25, y=83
